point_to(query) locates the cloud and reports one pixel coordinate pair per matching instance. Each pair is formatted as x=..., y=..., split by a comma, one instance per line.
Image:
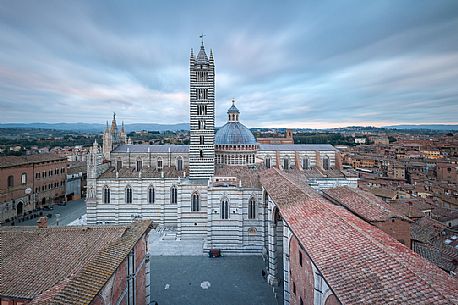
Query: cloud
x=293, y=64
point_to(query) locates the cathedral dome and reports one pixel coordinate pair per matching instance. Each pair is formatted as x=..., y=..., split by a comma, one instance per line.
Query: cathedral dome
x=234, y=133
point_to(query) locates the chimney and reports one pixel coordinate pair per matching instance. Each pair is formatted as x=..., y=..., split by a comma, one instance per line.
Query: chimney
x=42, y=222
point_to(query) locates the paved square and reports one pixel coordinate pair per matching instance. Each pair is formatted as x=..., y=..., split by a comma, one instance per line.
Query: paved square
x=200, y=280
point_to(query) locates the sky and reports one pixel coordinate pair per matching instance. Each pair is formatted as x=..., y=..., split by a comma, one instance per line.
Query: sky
x=315, y=64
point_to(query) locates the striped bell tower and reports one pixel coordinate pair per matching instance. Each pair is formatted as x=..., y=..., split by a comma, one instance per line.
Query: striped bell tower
x=202, y=115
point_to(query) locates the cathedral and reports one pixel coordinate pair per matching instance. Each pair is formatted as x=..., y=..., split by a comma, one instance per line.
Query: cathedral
x=210, y=189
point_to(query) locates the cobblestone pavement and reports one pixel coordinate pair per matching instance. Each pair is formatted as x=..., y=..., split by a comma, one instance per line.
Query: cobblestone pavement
x=200, y=280
x=163, y=242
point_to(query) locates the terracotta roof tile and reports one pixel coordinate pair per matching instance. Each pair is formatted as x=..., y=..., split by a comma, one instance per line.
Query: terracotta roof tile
x=362, y=264
x=248, y=176
x=62, y=265
x=8, y=161
x=365, y=205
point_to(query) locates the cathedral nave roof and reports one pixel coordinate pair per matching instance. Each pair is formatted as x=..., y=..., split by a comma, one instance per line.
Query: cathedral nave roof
x=143, y=148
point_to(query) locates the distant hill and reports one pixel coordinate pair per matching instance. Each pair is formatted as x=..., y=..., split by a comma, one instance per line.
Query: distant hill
x=91, y=127
x=425, y=126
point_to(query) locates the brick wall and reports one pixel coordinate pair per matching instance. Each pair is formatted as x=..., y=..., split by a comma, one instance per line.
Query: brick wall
x=397, y=228
x=115, y=291
x=50, y=186
x=140, y=252
x=304, y=276
x=301, y=277
x=332, y=300
x=11, y=196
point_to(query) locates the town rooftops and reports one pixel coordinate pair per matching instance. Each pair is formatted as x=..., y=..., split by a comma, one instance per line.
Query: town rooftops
x=361, y=263
x=9, y=161
x=145, y=148
x=63, y=265
x=362, y=204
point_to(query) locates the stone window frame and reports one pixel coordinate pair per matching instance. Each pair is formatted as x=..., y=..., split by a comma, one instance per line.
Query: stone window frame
x=195, y=202
x=224, y=205
x=151, y=194
x=106, y=194
x=173, y=194
x=252, y=208
x=179, y=168
x=128, y=194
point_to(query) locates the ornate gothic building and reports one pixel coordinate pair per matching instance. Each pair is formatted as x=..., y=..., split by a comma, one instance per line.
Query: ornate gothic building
x=210, y=189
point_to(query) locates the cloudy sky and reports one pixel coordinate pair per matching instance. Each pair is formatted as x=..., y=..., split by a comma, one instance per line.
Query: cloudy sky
x=287, y=63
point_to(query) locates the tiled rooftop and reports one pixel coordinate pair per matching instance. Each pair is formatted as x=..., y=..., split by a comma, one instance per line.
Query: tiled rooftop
x=248, y=176
x=8, y=161
x=362, y=264
x=143, y=148
x=63, y=265
x=363, y=204
x=430, y=236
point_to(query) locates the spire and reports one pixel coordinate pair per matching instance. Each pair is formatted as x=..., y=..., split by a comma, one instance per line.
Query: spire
x=95, y=147
x=107, y=129
x=211, y=56
x=122, y=127
x=202, y=56
x=114, y=127
x=192, y=55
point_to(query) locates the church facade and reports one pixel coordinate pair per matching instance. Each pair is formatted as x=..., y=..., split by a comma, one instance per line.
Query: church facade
x=209, y=189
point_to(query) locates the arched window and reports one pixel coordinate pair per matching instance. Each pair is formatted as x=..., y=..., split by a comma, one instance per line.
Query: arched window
x=195, y=202
x=266, y=198
x=224, y=209
x=252, y=208
x=139, y=165
x=173, y=195
x=106, y=194
x=10, y=181
x=128, y=194
x=202, y=140
x=23, y=178
x=326, y=162
x=118, y=165
x=286, y=163
x=151, y=194
x=159, y=163
x=180, y=163
x=267, y=162
x=305, y=163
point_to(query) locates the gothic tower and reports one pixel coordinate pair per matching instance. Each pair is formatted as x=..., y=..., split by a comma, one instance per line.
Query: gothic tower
x=107, y=143
x=202, y=115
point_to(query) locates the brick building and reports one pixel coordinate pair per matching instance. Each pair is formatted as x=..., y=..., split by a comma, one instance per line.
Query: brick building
x=75, y=265
x=373, y=210
x=16, y=185
x=30, y=182
x=288, y=139
x=447, y=171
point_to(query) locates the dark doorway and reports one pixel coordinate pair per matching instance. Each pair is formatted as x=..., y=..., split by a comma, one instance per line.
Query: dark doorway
x=19, y=208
